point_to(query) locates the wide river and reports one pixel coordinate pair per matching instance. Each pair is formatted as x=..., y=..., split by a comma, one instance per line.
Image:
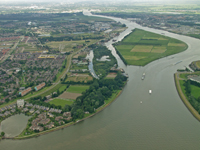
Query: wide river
x=161, y=122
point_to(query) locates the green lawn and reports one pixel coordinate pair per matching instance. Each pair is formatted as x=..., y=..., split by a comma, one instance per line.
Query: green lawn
x=61, y=102
x=77, y=88
x=183, y=76
x=195, y=91
x=142, y=47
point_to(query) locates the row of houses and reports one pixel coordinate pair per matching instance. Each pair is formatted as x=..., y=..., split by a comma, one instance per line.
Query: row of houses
x=26, y=91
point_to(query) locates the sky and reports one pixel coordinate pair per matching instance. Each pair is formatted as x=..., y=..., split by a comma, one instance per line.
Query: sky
x=96, y=0
x=142, y=1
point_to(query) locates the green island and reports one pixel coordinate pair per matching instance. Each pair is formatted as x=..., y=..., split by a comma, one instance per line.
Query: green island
x=142, y=47
x=188, y=87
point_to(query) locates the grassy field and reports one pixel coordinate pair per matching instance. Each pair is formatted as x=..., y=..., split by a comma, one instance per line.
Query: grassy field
x=142, y=47
x=61, y=102
x=80, y=77
x=77, y=67
x=77, y=88
x=61, y=87
x=195, y=91
x=198, y=64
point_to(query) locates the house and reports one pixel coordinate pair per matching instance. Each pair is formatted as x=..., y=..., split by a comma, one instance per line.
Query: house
x=31, y=110
x=13, y=110
x=67, y=114
x=49, y=126
x=21, y=88
x=40, y=86
x=58, y=118
x=37, y=112
x=25, y=109
x=36, y=127
x=48, y=96
x=20, y=103
x=50, y=115
x=29, y=105
x=7, y=113
x=2, y=115
x=24, y=92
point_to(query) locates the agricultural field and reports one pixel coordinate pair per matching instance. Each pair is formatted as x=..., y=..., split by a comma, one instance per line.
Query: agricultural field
x=79, y=78
x=111, y=76
x=77, y=88
x=61, y=102
x=67, y=46
x=142, y=47
x=68, y=95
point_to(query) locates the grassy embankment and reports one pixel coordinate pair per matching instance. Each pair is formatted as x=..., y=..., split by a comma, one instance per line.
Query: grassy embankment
x=181, y=91
x=142, y=47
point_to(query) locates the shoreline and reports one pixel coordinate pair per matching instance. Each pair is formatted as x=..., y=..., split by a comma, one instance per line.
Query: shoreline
x=184, y=99
x=118, y=93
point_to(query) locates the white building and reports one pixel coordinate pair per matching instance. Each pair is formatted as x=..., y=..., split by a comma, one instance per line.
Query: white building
x=20, y=103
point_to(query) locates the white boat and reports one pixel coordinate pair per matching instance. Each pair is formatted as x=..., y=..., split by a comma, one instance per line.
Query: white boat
x=150, y=91
x=140, y=102
x=143, y=76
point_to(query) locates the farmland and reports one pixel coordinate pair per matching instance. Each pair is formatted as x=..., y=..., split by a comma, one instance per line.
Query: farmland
x=77, y=88
x=68, y=95
x=79, y=78
x=61, y=102
x=141, y=47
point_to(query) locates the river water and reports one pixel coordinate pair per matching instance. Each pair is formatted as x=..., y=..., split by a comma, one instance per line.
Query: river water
x=161, y=122
x=90, y=57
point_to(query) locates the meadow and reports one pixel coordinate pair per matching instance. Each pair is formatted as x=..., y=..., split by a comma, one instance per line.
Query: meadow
x=142, y=47
x=61, y=102
x=77, y=88
x=80, y=77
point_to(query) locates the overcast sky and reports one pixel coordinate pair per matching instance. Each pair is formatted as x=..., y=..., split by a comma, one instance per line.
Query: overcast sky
x=147, y=1
x=94, y=0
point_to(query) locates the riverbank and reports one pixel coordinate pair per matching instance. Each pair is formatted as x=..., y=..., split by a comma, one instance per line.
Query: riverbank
x=106, y=104
x=184, y=99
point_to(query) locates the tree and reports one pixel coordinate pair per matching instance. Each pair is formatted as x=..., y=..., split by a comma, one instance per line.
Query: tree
x=7, y=100
x=2, y=133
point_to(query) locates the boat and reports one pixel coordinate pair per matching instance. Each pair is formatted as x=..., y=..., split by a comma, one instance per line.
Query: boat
x=140, y=102
x=150, y=91
x=143, y=76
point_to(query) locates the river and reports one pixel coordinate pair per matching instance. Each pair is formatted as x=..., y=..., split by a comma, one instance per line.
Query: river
x=161, y=122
